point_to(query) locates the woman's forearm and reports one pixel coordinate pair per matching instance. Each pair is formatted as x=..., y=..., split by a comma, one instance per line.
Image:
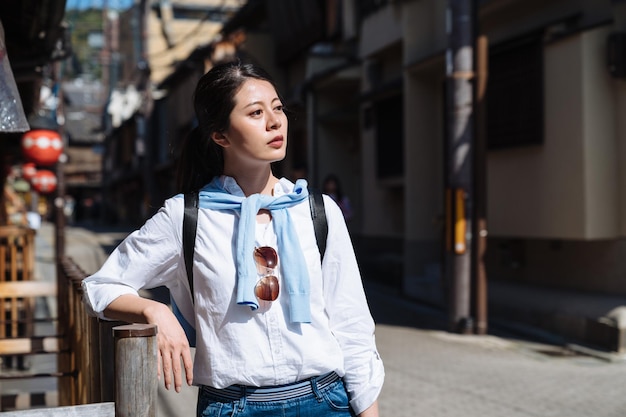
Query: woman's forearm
x=134, y=309
x=371, y=411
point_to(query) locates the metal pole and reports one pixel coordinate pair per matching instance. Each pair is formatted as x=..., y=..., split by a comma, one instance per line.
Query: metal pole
x=460, y=181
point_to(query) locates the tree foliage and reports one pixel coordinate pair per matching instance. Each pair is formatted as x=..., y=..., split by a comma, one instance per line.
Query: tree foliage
x=85, y=58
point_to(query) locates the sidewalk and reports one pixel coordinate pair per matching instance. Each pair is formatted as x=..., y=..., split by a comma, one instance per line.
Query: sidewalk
x=431, y=372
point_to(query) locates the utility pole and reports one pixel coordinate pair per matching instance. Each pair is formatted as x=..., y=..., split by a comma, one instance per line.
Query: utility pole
x=459, y=162
x=479, y=232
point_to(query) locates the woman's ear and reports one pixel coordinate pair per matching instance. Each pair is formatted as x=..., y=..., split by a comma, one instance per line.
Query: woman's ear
x=220, y=139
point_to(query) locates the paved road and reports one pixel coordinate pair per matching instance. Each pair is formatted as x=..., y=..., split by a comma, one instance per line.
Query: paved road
x=433, y=373
x=438, y=374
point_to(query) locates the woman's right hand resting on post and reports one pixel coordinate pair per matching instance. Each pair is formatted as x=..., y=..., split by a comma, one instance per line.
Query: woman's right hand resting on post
x=171, y=340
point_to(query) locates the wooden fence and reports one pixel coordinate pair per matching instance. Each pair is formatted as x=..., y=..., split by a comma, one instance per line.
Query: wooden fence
x=17, y=292
x=135, y=380
x=104, y=369
x=90, y=343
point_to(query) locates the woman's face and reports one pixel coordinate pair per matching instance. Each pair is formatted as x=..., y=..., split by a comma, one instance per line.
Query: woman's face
x=258, y=127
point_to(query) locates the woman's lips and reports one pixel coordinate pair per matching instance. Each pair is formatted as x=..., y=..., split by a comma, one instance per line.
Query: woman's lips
x=277, y=142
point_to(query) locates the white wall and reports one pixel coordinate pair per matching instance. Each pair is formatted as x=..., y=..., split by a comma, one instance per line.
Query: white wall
x=600, y=141
x=566, y=187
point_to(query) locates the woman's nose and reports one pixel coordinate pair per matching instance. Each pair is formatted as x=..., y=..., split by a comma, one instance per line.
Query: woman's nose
x=275, y=122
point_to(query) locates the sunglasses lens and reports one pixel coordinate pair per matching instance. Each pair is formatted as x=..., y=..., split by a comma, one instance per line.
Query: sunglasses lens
x=266, y=256
x=267, y=288
x=266, y=260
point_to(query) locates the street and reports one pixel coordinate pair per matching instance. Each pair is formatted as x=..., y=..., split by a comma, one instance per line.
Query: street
x=439, y=374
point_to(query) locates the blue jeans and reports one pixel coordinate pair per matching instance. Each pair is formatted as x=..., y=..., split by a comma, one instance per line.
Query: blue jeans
x=331, y=401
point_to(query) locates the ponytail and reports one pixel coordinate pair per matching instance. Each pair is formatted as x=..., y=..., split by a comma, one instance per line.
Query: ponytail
x=201, y=159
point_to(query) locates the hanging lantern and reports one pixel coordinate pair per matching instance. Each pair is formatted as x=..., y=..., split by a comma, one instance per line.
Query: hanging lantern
x=29, y=170
x=42, y=146
x=44, y=181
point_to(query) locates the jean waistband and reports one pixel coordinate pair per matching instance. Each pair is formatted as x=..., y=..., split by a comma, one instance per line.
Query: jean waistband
x=275, y=393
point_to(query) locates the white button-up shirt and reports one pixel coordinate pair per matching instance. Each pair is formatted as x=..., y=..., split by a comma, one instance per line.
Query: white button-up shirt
x=237, y=345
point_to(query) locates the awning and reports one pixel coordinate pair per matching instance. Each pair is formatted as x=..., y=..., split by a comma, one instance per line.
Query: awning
x=12, y=117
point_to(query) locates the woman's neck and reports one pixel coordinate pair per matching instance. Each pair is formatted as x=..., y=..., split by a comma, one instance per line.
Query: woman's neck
x=255, y=183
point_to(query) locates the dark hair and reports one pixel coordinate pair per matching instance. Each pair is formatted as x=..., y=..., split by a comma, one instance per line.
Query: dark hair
x=201, y=158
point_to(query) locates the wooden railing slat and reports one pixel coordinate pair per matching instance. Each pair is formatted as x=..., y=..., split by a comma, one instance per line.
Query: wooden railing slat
x=28, y=400
x=25, y=346
x=24, y=289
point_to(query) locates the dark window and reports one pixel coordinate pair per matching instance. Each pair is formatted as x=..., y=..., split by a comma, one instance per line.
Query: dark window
x=296, y=25
x=368, y=7
x=389, y=137
x=515, y=94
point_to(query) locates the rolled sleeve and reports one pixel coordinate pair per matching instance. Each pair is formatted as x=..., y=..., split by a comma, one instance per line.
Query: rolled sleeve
x=98, y=295
x=364, y=384
x=147, y=258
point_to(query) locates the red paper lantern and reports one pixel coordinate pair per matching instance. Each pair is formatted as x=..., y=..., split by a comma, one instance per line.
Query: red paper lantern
x=42, y=146
x=29, y=170
x=44, y=181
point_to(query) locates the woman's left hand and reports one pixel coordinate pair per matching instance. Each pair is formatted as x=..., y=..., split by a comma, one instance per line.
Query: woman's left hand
x=173, y=346
x=171, y=339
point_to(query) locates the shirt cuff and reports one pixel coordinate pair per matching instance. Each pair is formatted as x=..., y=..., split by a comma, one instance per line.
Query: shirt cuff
x=98, y=296
x=365, y=384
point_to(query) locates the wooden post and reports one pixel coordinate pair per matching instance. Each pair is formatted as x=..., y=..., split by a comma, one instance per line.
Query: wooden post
x=136, y=370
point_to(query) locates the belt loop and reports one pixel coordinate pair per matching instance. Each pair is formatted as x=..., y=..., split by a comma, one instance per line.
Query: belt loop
x=315, y=389
x=242, y=400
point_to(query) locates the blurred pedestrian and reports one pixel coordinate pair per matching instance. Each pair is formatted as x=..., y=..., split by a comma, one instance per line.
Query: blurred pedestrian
x=278, y=331
x=332, y=187
x=68, y=209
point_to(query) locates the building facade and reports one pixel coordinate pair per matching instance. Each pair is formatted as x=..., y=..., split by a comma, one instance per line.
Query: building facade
x=555, y=139
x=366, y=84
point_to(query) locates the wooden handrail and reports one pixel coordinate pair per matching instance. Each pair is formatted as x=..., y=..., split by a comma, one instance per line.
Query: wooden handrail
x=85, y=341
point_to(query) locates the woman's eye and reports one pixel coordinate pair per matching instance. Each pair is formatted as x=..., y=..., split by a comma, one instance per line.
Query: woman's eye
x=279, y=108
x=256, y=113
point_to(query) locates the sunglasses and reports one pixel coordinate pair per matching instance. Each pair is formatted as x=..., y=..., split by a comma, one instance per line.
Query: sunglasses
x=266, y=260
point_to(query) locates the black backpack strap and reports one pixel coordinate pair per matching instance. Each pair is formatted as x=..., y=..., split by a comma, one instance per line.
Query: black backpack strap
x=190, y=222
x=318, y=214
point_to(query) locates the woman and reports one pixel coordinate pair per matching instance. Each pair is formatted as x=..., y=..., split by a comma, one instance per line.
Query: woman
x=277, y=329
